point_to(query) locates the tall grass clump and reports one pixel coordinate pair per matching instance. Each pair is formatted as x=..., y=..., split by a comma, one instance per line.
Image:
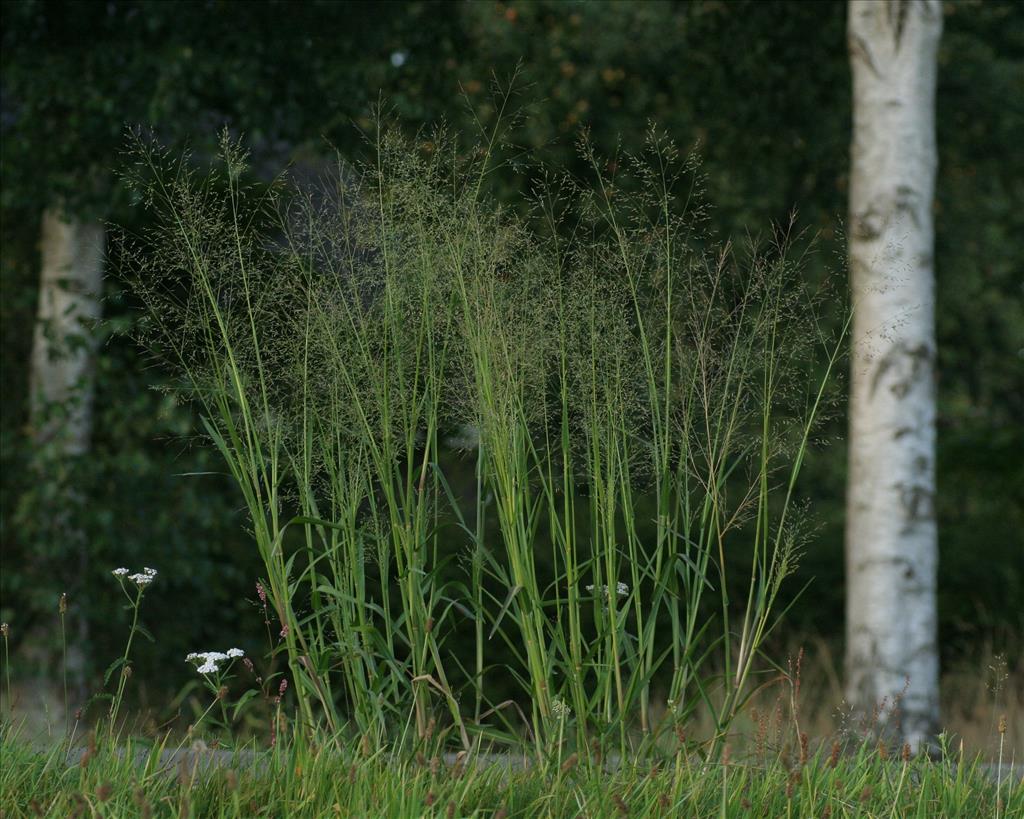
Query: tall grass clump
x=639, y=403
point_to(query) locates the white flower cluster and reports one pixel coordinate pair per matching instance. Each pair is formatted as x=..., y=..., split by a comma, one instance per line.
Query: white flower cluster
x=140, y=579
x=208, y=662
x=560, y=708
x=621, y=589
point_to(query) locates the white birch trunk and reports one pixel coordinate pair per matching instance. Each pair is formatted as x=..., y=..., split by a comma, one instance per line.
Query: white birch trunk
x=891, y=538
x=62, y=388
x=63, y=347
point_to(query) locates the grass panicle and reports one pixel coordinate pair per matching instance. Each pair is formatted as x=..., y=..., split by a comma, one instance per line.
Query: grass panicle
x=639, y=402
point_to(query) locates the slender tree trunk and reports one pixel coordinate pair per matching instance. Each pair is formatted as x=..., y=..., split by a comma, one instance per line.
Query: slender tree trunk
x=63, y=350
x=62, y=386
x=891, y=538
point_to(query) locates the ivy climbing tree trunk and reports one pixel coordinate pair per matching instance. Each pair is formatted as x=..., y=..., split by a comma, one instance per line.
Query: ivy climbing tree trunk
x=891, y=537
x=62, y=388
x=63, y=349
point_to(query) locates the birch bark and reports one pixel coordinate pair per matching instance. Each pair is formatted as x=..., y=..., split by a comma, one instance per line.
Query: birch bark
x=62, y=389
x=891, y=537
x=63, y=350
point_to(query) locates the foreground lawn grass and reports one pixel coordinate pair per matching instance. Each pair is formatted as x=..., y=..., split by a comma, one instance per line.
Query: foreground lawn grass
x=300, y=781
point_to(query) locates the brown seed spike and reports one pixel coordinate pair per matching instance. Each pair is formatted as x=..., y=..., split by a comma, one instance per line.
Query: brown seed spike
x=458, y=767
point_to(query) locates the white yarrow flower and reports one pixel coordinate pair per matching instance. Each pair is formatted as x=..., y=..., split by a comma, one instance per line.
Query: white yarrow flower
x=208, y=662
x=621, y=589
x=140, y=579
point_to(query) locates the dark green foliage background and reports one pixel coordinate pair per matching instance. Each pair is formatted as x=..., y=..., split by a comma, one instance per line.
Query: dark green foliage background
x=760, y=88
